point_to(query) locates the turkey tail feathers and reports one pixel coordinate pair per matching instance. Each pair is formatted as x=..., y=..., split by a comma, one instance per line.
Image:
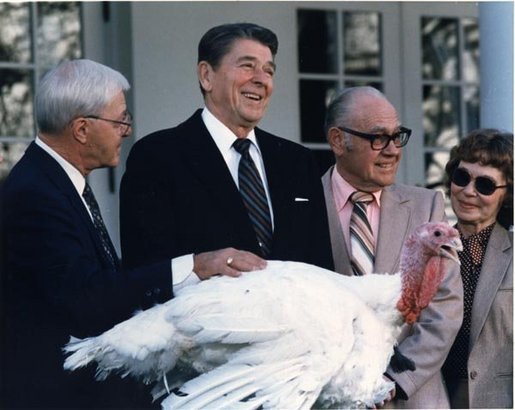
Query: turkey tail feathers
x=245, y=387
x=84, y=351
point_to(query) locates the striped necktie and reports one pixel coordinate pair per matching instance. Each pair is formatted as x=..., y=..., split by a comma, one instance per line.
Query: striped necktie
x=254, y=196
x=107, y=245
x=361, y=237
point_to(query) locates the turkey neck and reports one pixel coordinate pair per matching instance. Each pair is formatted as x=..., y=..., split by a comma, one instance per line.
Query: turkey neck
x=416, y=262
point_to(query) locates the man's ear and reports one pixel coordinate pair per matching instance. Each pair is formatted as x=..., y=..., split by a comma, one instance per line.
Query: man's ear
x=204, y=73
x=335, y=140
x=80, y=127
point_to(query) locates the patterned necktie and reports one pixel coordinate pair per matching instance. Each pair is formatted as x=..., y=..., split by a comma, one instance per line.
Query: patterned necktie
x=254, y=196
x=361, y=237
x=99, y=225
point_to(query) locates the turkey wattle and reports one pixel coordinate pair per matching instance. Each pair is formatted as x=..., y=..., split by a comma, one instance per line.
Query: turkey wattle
x=288, y=336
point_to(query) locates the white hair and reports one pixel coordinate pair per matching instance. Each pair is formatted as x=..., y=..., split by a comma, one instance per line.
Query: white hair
x=73, y=89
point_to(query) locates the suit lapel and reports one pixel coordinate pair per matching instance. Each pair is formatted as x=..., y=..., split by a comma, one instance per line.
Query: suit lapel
x=58, y=177
x=495, y=265
x=207, y=164
x=393, y=228
x=338, y=245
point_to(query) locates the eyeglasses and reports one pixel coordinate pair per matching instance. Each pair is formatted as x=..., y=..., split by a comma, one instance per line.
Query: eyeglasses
x=482, y=184
x=126, y=123
x=381, y=141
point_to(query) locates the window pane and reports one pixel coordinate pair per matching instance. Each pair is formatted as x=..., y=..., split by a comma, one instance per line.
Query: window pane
x=471, y=54
x=435, y=168
x=317, y=46
x=440, y=48
x=10, y=153
x=314, y=98
x=58, y=30
x=15, y=32
x=441, y=108
x=16, y=103
x=362, y=43
x=471, y=97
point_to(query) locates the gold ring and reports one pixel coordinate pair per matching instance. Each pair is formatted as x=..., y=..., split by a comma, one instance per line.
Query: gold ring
x=229, y=260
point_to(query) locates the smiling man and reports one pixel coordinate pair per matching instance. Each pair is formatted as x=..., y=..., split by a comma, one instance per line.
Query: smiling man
x=364, y=132
x=218, y=184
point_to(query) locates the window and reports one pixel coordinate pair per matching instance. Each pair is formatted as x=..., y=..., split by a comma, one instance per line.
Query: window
x=424, y=58
x=335, y=50
x=33, y=38
x=352, y=43
x=450, y=88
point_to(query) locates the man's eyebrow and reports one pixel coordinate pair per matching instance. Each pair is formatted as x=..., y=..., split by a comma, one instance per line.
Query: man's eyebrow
x=252, y=58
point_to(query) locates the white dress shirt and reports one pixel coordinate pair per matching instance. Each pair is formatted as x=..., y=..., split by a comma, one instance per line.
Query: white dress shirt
x=223, y=138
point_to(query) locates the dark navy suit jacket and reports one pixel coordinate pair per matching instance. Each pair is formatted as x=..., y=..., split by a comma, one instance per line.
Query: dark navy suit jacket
x=57, y=282
x=178, y=197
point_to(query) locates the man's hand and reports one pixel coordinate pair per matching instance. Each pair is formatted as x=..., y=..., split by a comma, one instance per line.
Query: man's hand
x=228, y=261
x=390, y=397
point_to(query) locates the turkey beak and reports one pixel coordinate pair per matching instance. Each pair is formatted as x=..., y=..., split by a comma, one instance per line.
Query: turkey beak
x=451, y=248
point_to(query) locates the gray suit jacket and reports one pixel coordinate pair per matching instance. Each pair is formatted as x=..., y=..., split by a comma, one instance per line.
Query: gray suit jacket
x=490, y=364
x=428, y=341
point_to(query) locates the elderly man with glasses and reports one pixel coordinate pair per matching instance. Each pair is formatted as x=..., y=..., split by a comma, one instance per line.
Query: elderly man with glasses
x=60, y=274
x=369, y=218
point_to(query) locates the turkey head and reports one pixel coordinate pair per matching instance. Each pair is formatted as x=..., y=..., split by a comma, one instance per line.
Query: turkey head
x=423, y=261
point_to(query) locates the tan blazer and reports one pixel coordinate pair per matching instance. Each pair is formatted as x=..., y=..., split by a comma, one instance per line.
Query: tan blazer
x=490, y=364
x=428, y=341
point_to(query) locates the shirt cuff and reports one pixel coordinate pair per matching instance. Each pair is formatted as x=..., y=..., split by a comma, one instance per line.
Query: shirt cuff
x=182, y=272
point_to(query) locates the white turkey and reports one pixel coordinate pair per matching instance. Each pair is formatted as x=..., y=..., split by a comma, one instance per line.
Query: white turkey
x=290, y=336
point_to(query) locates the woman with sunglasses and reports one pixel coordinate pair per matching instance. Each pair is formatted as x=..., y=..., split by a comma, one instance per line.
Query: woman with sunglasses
x=479, y=368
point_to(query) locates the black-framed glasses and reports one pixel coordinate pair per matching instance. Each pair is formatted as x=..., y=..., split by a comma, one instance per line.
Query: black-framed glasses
x=126, y=123
x=482, y=184
x=381, y=141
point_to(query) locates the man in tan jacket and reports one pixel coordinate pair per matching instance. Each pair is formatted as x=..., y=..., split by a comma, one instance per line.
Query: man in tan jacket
x=363, y=130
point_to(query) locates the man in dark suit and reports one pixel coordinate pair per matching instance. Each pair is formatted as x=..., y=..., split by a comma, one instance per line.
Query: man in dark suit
x=60, y=273
x=184, y=191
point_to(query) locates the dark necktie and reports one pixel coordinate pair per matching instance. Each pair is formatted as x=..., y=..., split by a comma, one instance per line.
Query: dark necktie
x=99, y=225
x=361, y=237
x=254, y=196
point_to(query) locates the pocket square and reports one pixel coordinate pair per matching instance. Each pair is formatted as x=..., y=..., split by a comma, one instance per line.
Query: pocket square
x=301, y=200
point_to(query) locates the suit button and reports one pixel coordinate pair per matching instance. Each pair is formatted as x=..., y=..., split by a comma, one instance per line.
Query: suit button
x=157, y=291
x=473, y=374
x=148, y=293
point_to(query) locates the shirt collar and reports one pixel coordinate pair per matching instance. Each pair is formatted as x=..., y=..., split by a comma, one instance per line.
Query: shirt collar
x=78, y=180
x=342, y=191
x=221, y=134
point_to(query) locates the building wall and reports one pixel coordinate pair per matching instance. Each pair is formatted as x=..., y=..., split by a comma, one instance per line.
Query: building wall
x=158, y=43
x=165, y=81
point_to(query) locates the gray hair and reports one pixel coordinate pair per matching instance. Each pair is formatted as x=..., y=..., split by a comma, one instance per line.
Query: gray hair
x=341, y=108
x=73, y=89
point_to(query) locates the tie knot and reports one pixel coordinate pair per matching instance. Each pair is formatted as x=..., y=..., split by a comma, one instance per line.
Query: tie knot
x=242, y=145
x=361, y=197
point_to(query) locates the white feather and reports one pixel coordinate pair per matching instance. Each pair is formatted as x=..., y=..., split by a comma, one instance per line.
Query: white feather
x=234, y=329
x=290, y=336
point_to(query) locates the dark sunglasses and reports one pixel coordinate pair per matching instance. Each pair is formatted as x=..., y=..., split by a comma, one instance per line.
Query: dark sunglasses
x=482, y=184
